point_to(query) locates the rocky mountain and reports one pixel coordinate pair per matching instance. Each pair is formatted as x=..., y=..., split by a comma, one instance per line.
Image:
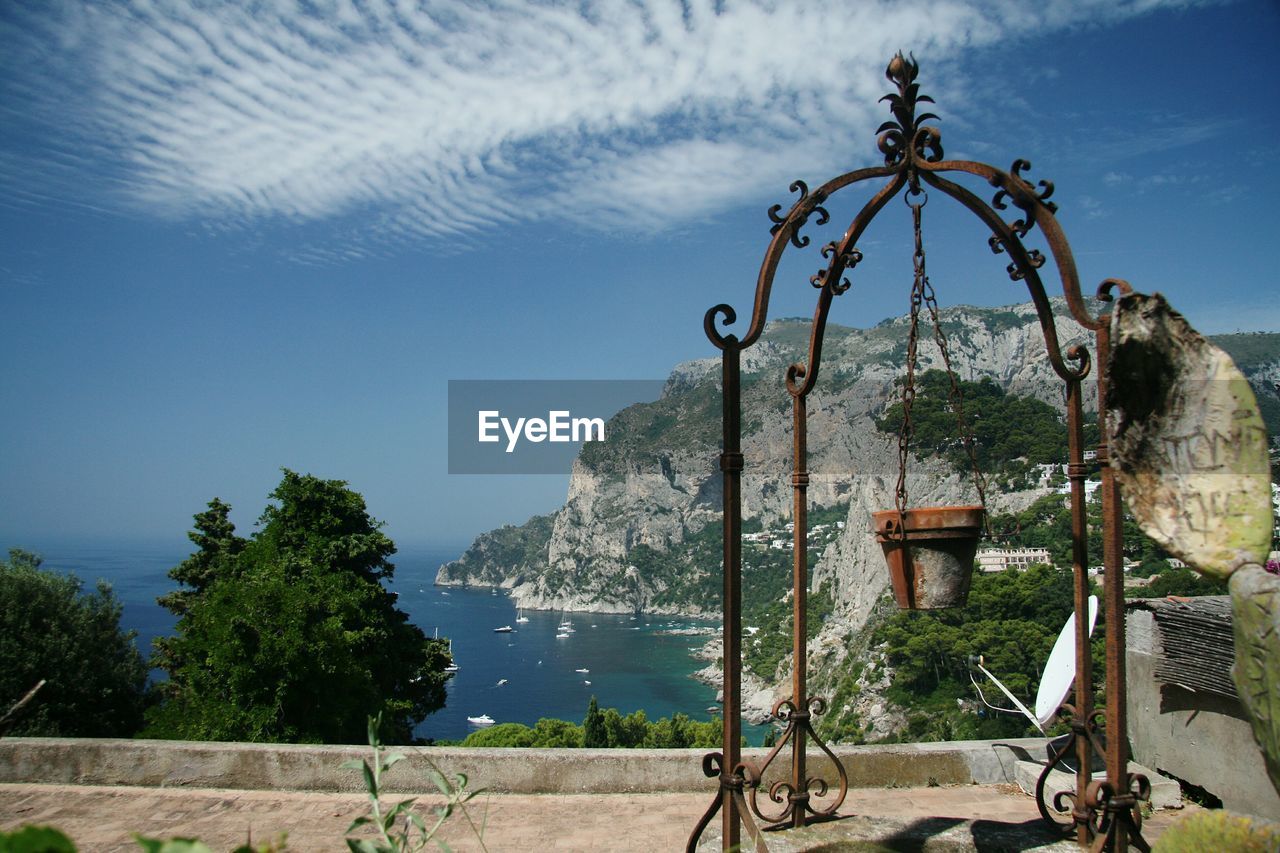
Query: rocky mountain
x=639, y=527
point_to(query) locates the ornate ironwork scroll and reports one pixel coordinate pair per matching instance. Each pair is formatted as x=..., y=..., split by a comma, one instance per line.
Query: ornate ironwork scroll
x=1104, y=814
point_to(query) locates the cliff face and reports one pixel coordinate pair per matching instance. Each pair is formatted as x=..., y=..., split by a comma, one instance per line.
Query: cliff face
x=639, y=527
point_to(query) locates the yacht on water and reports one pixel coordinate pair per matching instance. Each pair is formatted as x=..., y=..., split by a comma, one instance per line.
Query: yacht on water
x=505, y=629
x=520, y=617
x=482, y=720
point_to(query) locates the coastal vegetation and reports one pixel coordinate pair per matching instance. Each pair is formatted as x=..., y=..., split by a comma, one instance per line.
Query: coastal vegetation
x=52, y=629
x=289, y=635
x=1011, y=433
x=601, y=729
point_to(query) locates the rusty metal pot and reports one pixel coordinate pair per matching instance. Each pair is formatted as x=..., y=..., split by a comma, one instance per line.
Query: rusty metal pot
x=930, y=553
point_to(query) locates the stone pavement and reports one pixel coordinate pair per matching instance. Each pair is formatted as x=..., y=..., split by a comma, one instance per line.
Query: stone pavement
x=102, y=818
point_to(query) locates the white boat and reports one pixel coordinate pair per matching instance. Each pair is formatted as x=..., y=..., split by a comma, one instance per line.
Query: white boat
x=505, y=629
x=453, y=667
x=520, y=617
x=482, y=720
x=501, y=681
x=561, y=636
x=582, y=670
x=588, y=683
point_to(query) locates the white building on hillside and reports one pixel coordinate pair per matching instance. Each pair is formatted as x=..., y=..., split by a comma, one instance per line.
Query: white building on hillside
x=999, y=559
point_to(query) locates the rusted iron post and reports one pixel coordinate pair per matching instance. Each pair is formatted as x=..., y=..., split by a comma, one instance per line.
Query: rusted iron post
x=1077, y=472
x=731, y=464
x=1113, y=596
x=1124, y=792
x=800, y=606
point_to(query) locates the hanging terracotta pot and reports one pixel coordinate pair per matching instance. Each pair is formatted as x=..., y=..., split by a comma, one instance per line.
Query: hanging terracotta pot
x=932, y=565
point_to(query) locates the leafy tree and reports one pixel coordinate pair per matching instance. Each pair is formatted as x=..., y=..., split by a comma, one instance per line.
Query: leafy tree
x=219, y=547
x=51, y=629
x=674, y=732
x=502, y=735
x=1012, y=620
x=594, y=734
x=289, y=635
x=1179, y=582
x=1010, y=432
x=626, y=732
x=611, y=730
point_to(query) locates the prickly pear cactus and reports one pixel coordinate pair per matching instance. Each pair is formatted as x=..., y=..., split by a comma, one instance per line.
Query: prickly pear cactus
x=1190, y=453
x=1188, y=440
x=1255, y=611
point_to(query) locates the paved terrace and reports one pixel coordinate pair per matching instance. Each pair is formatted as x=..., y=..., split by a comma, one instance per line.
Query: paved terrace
x=956, y=796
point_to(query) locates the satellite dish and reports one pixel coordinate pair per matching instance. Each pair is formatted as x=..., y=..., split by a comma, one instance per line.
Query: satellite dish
x=1060, y=670
x=1059, y=673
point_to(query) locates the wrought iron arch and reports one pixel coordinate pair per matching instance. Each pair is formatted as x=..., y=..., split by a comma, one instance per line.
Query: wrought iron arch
x=1103, y=814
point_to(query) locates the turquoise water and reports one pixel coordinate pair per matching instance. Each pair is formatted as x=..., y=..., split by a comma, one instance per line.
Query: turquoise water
x=633, y=664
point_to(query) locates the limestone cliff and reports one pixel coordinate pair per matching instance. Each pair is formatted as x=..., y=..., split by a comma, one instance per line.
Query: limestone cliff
x=656, y=482
x=639, y=527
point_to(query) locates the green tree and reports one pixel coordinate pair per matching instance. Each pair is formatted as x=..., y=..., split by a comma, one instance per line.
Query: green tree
x=1179, y=582
x=594, y=734
x=627, y=732
x=219, y=546
x=1012, y=619
x=502, y=735
x=51, y=629
x=290, y=635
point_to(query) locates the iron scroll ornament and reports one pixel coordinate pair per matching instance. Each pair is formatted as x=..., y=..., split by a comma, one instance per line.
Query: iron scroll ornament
x=1104, y=815
x=907, y=165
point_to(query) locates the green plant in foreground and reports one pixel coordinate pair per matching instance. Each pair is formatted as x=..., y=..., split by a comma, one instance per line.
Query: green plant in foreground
x=47, y=839
x=194, y=845
x=1218, y=830
x=35, y=839
x=400, y=828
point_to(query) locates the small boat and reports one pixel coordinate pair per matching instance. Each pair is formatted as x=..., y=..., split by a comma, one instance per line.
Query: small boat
x=453, y=667
x=505, y=629
x=582, y=670
x=520, y=617
x=482, y=720
x=501, y=681
x=561, y=636
x=588, y=683
x=713, y=709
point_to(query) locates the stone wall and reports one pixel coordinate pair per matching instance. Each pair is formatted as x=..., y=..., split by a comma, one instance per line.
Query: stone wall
x=1200, y=737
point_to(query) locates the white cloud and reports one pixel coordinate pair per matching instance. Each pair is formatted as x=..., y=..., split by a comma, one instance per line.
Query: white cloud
x=440, y=118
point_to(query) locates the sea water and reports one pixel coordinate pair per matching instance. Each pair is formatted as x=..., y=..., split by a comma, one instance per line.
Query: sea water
x=645, y=663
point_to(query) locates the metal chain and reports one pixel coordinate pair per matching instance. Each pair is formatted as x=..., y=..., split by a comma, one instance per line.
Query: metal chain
x=922, y=293
x=913, y=337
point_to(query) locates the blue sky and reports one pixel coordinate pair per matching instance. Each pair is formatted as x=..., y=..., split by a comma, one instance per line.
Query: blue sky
x=237, y=237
